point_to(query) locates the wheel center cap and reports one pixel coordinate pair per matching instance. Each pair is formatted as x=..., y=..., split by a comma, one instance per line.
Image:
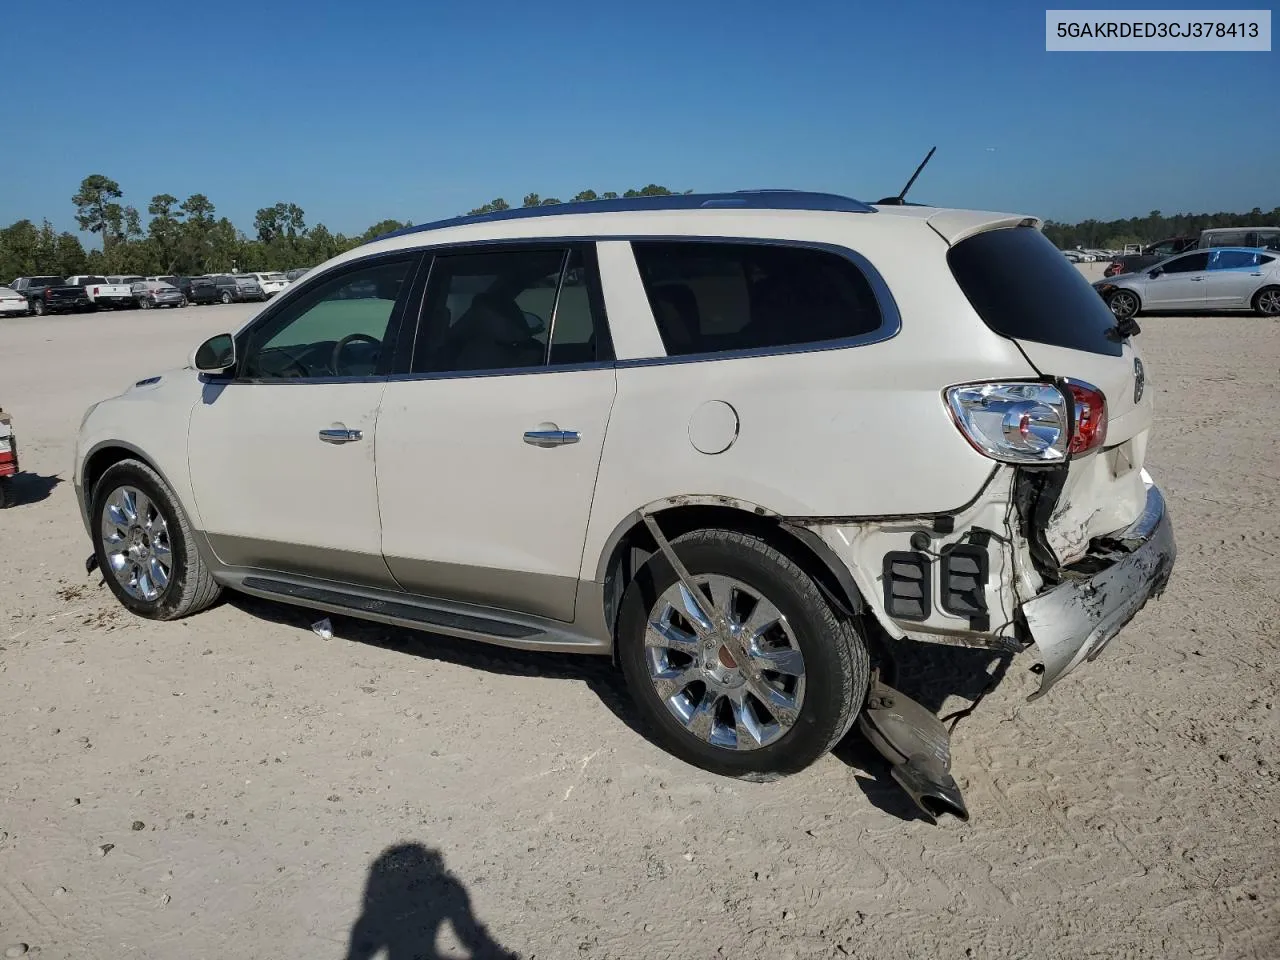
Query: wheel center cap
x=726, y=659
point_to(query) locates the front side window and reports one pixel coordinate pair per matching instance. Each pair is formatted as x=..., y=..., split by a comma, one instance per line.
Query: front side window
x=507, y=310
x=1188, y=264
x=338, y=328
x=712, y=297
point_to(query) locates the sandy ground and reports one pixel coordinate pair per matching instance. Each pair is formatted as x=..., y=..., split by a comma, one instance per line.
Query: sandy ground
x=260, y=792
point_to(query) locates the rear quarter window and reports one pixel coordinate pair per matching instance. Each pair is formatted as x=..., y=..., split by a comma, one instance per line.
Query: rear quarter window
x=713, y=297
x=1024, y=289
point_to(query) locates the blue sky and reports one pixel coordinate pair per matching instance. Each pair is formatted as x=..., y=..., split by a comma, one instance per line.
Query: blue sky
x=419, y=110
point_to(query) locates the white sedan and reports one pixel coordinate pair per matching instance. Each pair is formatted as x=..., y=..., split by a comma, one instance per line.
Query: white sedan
x=12, y=303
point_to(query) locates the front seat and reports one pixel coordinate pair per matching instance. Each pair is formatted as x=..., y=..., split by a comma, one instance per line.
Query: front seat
x=492, y=335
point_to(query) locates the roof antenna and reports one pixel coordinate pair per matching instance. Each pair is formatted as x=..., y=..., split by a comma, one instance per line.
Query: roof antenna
x=899, y=200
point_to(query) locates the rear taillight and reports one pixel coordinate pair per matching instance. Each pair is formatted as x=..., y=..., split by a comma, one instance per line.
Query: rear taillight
x=1089, y=425
x=47, y=291
x=1029, y=422
x=95, y=291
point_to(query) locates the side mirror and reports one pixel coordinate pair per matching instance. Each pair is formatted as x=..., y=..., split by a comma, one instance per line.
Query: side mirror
x=215, y=355
x=1155, y=273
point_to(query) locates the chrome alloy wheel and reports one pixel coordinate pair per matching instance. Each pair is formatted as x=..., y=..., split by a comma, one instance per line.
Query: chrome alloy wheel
x=1123, y=304
x=135, y=539
x=695, y=671
x=1269, y=303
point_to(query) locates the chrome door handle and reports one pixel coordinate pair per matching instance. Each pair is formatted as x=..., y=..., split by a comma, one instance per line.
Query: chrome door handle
x=551, y=438
x=341, y=436
x=1196, y=279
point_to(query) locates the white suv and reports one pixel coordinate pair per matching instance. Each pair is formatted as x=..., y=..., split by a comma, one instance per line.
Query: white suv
x=730, y=439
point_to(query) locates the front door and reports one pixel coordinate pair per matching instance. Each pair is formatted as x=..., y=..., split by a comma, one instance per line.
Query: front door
x=488, y=450
x=281, y=453
x=1180, y=285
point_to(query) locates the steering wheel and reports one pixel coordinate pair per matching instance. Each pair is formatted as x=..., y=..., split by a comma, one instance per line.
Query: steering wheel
x=342, y=345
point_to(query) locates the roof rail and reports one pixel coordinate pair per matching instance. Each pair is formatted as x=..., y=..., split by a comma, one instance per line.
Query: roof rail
x=736, y=200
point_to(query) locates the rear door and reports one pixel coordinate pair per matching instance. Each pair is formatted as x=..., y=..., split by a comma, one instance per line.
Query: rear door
x=488, y=449
x=1233, y=278
x=1023, y=289
x=1180, y=283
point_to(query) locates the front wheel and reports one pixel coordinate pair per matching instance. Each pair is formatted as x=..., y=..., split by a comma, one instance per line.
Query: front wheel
x=764, y=697
x=1267, y=302
x=1124, y=304
x=145, y=546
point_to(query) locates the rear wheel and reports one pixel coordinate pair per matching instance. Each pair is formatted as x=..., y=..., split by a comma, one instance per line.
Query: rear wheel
x=805, y=673
x=226, y=296
x=145, y=547
x=37, y=307
x=1124, y=304
x=1267, y=301
x=145, y=304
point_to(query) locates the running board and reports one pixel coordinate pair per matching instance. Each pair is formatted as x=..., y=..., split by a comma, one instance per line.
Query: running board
x=418, y=613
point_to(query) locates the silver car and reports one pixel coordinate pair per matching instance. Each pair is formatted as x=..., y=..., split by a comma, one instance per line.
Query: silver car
x=153, y=293
x=1203, y=281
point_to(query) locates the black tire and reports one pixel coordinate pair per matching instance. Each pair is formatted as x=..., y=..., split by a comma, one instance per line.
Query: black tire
x=1124, y=304
x=37, y=307
x=226, y=296
x=191, y=587
x=6, y=493
x=836, y=661
x=1266, y=302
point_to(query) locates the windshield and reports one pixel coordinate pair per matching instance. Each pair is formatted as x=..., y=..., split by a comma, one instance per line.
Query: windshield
x=273, y=276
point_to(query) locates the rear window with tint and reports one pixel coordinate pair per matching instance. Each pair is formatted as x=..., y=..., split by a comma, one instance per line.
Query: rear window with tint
x=1023, y=288
x=710, y=297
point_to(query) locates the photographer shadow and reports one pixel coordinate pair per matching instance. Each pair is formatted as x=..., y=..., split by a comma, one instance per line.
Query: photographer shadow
x=408, y=898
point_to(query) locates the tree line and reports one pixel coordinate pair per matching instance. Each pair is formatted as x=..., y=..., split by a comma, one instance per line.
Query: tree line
x=1114, y=234
x=187, y=237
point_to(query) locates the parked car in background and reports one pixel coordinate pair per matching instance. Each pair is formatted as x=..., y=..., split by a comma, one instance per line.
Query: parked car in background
x=126, y=278
x=154, y=293
x=711, y=484
x=51, y=295
x=271, y=283
x=237, y=287
x=12, y=303
x=295, y=273
x=202, y=292
x=1151, y=255
x=104, y=295
x=1262, y=237
x=198, y=289
x=1200, y=281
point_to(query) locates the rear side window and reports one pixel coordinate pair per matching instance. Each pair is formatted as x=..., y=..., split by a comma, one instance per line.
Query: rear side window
x=1234, y=260
x=716, y=297
x=1023, y=288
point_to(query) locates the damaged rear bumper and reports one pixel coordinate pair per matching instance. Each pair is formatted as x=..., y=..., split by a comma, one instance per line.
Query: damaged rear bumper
x=1074, y=621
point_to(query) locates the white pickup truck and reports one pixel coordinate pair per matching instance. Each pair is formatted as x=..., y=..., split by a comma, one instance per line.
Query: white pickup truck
x=104, y=294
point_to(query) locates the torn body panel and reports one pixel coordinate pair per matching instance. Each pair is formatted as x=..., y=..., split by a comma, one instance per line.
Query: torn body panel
x=908, y=569
x=1075, y=620
x=991, y=575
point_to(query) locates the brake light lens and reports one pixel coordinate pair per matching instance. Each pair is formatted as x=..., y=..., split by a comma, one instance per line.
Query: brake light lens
x=1089, y=423
x=1029, y=423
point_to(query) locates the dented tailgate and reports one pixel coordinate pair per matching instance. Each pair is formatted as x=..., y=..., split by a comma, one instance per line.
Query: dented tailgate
x=1104, y=491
